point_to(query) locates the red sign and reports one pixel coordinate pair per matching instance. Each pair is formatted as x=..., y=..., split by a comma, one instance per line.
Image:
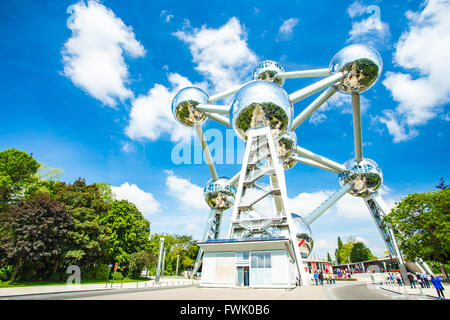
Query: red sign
x=301, y=242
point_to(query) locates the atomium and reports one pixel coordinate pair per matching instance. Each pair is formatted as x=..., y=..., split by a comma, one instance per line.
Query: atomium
x=259, y=104
x=219, y=194
x=184, y=103
x=362, y=66
x=303, y=234
x=267, y=70
x=261, y=113
x=365, y=175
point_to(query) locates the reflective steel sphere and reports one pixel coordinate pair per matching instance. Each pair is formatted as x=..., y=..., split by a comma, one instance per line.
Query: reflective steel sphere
x=303, y=235
x=258, y=104
x=267, y=70
x=286, y=144
x=184, y=103
x=366, y=176
x=361, y=65
x=289, y=163
x=218, y=194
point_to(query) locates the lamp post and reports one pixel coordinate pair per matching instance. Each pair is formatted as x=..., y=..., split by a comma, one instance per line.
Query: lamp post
x=178, y=261
x=158, y=269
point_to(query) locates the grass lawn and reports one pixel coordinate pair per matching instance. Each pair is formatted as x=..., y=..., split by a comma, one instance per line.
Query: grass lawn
x=6, y=284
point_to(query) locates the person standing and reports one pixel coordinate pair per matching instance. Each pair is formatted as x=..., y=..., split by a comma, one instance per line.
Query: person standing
x=425, y=280
x=419, y=279
x=437, y=283
x=411, y=280
x=316, y=278
x=321, y=278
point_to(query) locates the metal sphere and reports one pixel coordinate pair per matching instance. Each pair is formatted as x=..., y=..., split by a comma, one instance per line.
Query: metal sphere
x=361, y=65
x=184, y=103
x=258, y=104
x=366, y=176
x=267, y=70
x=286, y=144
x=289, y=163
x=303, y=235
x=218, y=194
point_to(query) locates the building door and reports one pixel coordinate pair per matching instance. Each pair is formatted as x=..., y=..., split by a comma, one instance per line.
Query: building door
x=243, y=276
x=246, y=276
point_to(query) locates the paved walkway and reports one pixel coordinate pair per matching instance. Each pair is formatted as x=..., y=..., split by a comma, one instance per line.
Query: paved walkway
x=406, y=290
x=165, y=282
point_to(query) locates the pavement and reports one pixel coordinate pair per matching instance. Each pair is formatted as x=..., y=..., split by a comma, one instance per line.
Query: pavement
x=188, y=289
x=418, y=291
x=100, y=287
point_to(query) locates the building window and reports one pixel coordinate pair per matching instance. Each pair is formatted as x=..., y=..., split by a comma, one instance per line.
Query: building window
x=242, y=256
x=261, y=269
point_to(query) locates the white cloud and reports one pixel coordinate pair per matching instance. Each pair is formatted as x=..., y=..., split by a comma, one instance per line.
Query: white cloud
x=424, y=49
x=352, y=207
x=93, y=55
x=144, y=201
x=286, y=28
x=304, y=203
x=361, y=239
x=221, y=55
x=189, y=195
x=370, y=30
x=151, y=114
x=166, y=15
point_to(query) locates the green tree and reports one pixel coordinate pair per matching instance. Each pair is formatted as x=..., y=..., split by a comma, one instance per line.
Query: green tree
x=139, y=261
x=421, y=223
x=38, y=233
x=87, y=239
x=127, y=229
x=183, y=245
x=17, y=171
x=328, y=257
x=340, y=244
x=360, y=252
x=344, y=252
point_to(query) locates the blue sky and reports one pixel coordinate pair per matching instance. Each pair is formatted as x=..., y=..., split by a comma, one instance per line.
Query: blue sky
x=86, y=86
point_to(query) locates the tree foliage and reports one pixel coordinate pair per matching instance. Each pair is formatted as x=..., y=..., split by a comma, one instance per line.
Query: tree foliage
x=421, y=223
x=37, y=234
x=17, y=171
x=127, y=229
x=360, y=252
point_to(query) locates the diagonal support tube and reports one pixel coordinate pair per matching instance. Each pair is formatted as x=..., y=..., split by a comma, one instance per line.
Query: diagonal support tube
x=213, y=108
x=324, y=206
x=219, y=118
x=304, y=73
x=313, y=107
x=312, y=163
x=224, y=94
x=208, y=158
x=315, y=87
x=356, y=106
x=322, y=160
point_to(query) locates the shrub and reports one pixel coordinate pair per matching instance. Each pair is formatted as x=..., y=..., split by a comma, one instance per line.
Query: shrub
x=6, y=272
x=118, y=276
x=97, y=272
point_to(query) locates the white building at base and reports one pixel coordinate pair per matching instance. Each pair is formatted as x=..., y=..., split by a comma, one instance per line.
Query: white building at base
x=258, y=263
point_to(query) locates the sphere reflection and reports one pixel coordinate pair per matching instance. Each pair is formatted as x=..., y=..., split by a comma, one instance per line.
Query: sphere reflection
x=303, y=235
x=361, y=65
x=267, y=70
x=184, y=103
x=218, y=194
x=289, y=163
x=258, y=104
x=365, y=175
x=286, y=144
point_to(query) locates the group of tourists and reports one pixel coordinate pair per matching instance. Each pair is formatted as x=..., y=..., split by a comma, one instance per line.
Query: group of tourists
x=320, y=276
x=422, y=279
